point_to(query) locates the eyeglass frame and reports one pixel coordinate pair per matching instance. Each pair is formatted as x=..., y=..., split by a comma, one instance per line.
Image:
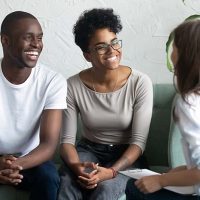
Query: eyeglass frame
x=107, y=46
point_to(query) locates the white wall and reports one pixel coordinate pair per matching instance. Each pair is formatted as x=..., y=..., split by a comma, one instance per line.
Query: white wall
x=146, y=26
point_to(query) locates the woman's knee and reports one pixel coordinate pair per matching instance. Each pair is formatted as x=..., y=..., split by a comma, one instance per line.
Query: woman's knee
x=107, y=190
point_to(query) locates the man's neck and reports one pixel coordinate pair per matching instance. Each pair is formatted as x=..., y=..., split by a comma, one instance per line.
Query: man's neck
x=15, y=74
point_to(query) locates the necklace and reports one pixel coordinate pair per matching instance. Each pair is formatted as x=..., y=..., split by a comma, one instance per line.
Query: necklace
x=93, y=78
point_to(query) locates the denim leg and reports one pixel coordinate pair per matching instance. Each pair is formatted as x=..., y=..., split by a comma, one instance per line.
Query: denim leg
x=105, y=155
x=42, y=181
x=111, y=189
x=132, y=193
x=69, y=188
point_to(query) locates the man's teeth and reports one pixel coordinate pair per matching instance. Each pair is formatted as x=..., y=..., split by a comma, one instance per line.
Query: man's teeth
x=33, y=53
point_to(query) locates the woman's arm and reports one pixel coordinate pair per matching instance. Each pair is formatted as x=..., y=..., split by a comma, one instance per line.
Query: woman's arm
x=68, y=136
x=132, y=153
x=187, y=115
x=154, y=183
x=180, y=168
x=181, y=178
x=71, y=158
x=142, y=112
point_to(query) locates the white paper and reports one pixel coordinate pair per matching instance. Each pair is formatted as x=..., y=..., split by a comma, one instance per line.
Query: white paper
x=139, y=173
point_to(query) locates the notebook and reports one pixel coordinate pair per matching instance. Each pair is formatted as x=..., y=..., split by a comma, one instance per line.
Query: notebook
x=139, y=173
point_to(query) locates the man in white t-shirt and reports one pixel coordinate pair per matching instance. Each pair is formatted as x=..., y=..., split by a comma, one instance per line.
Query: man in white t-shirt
x=31, y=101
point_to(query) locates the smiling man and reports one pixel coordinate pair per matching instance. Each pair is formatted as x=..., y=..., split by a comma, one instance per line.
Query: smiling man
x=31, y=103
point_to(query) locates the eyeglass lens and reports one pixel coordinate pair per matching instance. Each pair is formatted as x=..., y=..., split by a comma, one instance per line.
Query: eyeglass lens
x=103, y=48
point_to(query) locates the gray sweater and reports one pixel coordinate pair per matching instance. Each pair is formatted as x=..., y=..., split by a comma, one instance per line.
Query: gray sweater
x=119, y=117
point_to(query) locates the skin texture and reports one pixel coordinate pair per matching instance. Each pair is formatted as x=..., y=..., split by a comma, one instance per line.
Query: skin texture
x=21, y=49
x=174, y=55
x=107, y=66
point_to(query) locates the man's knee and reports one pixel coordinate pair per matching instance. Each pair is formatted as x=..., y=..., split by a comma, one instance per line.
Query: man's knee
x=48, y=175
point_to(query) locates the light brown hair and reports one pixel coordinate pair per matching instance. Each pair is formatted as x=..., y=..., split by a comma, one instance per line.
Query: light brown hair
x=187, y=68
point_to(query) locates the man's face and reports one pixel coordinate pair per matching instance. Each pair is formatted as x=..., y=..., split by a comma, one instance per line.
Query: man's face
x=24, y=43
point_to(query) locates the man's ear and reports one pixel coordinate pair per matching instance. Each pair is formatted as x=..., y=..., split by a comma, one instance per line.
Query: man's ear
x=87, y=56
x=5, y=40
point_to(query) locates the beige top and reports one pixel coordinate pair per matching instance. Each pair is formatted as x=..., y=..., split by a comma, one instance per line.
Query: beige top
x=119, y=117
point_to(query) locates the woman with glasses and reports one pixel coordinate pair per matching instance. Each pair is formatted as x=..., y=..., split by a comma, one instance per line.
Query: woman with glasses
x=186, y=59
x=115, y=107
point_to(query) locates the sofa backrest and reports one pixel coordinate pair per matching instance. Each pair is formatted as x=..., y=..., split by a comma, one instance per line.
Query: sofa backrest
x=175, y=150
x=157, y=143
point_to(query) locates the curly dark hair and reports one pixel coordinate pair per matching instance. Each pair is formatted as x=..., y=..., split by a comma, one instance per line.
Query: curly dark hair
x=90, y=21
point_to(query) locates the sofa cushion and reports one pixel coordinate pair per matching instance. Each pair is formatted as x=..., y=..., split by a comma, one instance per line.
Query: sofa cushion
x=157, y=143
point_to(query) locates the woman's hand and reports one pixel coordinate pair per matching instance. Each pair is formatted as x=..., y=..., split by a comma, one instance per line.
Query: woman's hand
x=83, y=168
x=96, y=176
x=149, y=184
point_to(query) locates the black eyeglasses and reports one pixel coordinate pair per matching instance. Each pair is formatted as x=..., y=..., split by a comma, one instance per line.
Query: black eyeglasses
x=103, y=48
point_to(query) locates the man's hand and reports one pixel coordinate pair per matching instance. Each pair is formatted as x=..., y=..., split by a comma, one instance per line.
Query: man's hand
x=9, y=171
x=7, y=162
x=10, y=177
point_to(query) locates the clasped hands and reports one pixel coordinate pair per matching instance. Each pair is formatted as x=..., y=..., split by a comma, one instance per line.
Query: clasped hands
x=90, y=174
x=9, y=171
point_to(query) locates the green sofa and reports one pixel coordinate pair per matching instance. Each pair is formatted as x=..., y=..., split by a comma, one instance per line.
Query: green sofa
x=163, y=146
x=163, y=150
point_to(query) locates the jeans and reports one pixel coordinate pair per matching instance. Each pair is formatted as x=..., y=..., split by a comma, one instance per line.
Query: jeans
x=105, y=155
x=42, y=181
x=132, y=193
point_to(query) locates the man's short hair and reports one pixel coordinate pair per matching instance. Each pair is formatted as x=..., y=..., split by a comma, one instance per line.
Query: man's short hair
x=11, y=18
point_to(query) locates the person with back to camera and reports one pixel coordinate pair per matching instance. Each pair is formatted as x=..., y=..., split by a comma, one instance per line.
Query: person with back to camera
x=31, y=103
x=186, y=59
x=115, y=106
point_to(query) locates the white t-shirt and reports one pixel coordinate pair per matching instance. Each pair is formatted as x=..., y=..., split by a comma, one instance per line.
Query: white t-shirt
x=189, y=124
x=21, y=107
